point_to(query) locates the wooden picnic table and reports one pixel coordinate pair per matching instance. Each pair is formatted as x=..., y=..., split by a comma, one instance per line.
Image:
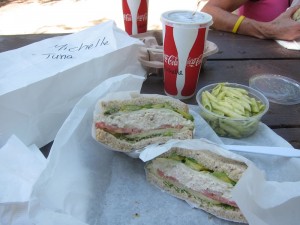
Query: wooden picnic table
x=238, y=59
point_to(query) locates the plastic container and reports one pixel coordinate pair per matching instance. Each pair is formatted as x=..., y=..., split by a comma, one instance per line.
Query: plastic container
x=232, y=127
x=278, y=89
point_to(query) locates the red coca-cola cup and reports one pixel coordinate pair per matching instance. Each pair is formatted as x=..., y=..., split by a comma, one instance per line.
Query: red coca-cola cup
x=135, y=14
x=184, y=37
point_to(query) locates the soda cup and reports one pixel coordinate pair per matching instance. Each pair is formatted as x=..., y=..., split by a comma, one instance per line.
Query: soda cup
x=184, y=37
x=135, y=14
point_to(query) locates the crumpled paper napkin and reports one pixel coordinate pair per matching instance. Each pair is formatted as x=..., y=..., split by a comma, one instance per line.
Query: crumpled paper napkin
x=292, y=45
x=20, y=166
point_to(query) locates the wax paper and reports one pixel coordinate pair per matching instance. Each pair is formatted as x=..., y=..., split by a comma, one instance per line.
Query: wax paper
x=86, y=183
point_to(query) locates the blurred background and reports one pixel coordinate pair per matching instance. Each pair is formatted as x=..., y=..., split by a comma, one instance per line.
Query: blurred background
x=68, y=16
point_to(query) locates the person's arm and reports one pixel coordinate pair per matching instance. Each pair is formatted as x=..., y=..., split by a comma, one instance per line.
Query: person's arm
x=283, y=27
x=221, y=11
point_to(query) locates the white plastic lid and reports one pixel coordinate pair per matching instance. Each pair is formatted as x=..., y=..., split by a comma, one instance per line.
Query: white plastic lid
x=186, y=18
x=278, y=89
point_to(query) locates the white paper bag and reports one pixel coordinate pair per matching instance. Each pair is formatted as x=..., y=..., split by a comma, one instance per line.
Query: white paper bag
x=41, y=82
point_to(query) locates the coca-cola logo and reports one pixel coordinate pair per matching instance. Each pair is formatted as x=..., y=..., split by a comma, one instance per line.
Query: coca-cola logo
x=142, y=17
x=171, y=60
x=127, y=17
x=194, y=61
x=191, y=62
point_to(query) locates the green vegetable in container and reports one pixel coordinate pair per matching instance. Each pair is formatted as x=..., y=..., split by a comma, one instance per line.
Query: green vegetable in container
x=234, y=107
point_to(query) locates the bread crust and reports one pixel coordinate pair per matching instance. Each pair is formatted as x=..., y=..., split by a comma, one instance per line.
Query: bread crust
x=233, y=168
x=125, y=146
x=141, y=99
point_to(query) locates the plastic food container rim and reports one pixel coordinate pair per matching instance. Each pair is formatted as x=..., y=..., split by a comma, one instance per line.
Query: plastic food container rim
x=257, y=94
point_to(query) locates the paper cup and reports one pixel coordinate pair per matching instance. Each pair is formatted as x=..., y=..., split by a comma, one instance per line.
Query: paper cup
x=184, y=36
x=135, y=14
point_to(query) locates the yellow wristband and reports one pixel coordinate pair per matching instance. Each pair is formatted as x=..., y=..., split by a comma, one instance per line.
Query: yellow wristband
x=237, y=24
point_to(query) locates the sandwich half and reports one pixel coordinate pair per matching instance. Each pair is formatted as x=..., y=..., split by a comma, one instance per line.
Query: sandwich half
x=202, y=178
x=132, y=124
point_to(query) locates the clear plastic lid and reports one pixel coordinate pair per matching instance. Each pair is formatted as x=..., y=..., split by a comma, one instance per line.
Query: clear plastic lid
x=278, y=89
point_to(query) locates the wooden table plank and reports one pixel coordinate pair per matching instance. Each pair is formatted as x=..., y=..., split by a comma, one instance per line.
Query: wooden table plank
x=291, y=135
x=240, y=47
x=232, y=46
x=10, y=42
